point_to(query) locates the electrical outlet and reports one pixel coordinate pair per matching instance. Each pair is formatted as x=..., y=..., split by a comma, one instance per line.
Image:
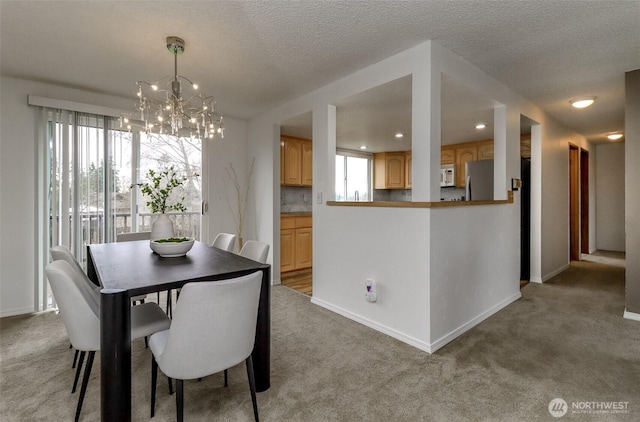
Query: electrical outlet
x=370, y=291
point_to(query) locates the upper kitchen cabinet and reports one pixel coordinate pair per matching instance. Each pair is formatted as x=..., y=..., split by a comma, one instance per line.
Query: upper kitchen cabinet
x=447, y=155
x=408, y=176
x=296, y=163
x=389, y=169
x=485, y=150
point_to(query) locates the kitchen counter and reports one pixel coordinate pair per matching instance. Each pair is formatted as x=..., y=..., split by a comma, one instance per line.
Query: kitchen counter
x=439, y=204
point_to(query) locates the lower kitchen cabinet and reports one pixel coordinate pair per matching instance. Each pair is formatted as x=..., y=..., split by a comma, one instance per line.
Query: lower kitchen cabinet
x=296, y=242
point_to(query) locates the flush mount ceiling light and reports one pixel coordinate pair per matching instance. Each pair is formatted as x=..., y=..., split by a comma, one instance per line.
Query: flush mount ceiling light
x=363, y=147
x=399, y=135
x=480, y=126
x=582, y=102
x=614, y=136
x=162, y=109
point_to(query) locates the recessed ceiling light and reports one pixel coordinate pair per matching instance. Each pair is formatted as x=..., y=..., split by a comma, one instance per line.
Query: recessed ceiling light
x=363, y=147
x=614, y=136
x=480, y=126
x=399, y=135
x=583, y=102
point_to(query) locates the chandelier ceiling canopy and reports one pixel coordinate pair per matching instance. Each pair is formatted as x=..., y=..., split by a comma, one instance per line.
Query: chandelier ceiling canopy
x=161, y=108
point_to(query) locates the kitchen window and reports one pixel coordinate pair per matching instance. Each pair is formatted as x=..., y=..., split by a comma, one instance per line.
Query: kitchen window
x=353, y=176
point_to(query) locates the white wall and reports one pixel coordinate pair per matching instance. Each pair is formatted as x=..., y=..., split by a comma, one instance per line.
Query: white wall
x=399, y=247
x=609, y=170
x=18, y=173
x=220, y=155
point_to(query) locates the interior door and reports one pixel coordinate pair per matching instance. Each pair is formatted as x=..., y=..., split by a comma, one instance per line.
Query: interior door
x=574, y=203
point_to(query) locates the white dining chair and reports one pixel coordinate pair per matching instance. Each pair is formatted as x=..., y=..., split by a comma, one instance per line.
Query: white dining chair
x=213, y=329
x=89, y=290
x=258, y=251
x=224, y=241
x=129, y=237
x=81, y=318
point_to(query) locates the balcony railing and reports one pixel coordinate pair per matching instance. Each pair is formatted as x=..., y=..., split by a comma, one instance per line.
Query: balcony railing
x=186, y=224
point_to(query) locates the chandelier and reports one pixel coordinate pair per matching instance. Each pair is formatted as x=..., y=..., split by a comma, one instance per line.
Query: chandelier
x=161, y=108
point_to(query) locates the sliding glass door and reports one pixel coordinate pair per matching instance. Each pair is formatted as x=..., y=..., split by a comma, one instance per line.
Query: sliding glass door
x=91, y=166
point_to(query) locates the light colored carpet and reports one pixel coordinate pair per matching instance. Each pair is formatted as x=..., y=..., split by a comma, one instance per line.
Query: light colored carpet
x=565, y=339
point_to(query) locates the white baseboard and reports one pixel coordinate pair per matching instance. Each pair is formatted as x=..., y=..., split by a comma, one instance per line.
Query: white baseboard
x=473, y=322
x=14, y=312
x=555, y=273
x=631, y=315
x=422, y=345
x=372, y=324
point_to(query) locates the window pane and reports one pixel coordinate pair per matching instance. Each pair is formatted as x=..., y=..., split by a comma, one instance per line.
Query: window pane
x=159, y=152
x=358, y=179
x=340, y=180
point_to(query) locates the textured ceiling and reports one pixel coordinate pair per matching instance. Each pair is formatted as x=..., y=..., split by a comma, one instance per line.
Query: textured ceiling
x=255, y=55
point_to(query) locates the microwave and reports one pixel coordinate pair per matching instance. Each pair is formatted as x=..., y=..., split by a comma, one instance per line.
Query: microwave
x=447, y=175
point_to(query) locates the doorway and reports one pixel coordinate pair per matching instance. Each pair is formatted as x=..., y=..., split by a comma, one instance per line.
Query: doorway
x=578, y=202
x=525, y=220
x=584, y=201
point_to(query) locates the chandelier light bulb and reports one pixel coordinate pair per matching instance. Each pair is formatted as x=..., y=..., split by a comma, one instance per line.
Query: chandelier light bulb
x=195, y=86
x=154, y=87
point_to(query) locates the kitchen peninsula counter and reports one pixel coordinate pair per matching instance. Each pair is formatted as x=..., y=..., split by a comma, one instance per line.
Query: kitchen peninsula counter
x=438, y=204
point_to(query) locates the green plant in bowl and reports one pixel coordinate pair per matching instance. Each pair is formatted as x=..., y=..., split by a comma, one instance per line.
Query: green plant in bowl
x=173, y=240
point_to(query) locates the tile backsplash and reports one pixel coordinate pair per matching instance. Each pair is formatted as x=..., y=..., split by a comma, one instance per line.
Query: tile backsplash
x=395, y=195
x=295, y=199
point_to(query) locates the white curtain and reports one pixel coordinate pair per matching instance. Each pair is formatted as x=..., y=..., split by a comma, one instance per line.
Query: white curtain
x=80, y=178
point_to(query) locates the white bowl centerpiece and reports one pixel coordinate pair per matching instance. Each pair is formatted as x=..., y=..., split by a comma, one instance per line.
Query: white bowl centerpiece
x=172, y=247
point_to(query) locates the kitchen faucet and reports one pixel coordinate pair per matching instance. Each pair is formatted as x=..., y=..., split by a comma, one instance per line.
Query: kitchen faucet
x=357, y=196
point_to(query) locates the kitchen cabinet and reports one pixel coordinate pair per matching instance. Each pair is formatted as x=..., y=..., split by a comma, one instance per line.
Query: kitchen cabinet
x=485, y=150
x=464, y=155
x=407, y=170
x=448, y=155
x=296, y=161
x=296, y=242
x=389, y=170
x=307, y=164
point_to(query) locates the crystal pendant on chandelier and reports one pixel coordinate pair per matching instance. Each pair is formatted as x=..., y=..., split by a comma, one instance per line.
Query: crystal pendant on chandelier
x=161, y=108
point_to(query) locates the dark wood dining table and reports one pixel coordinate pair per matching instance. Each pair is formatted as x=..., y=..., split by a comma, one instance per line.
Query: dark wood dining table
x=128, y=269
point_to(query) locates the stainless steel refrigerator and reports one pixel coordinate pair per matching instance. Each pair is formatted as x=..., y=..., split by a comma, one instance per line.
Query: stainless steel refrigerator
x=479, y=176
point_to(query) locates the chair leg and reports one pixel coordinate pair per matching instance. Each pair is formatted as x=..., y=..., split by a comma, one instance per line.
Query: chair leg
x=226, y=378
x=252, y=387
x=75, y=358
x=169, y=305
x=154, y=381
x=78, y=369
x=180, y=399
x=170, y=386
x=146, y=342
x=85, y=381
